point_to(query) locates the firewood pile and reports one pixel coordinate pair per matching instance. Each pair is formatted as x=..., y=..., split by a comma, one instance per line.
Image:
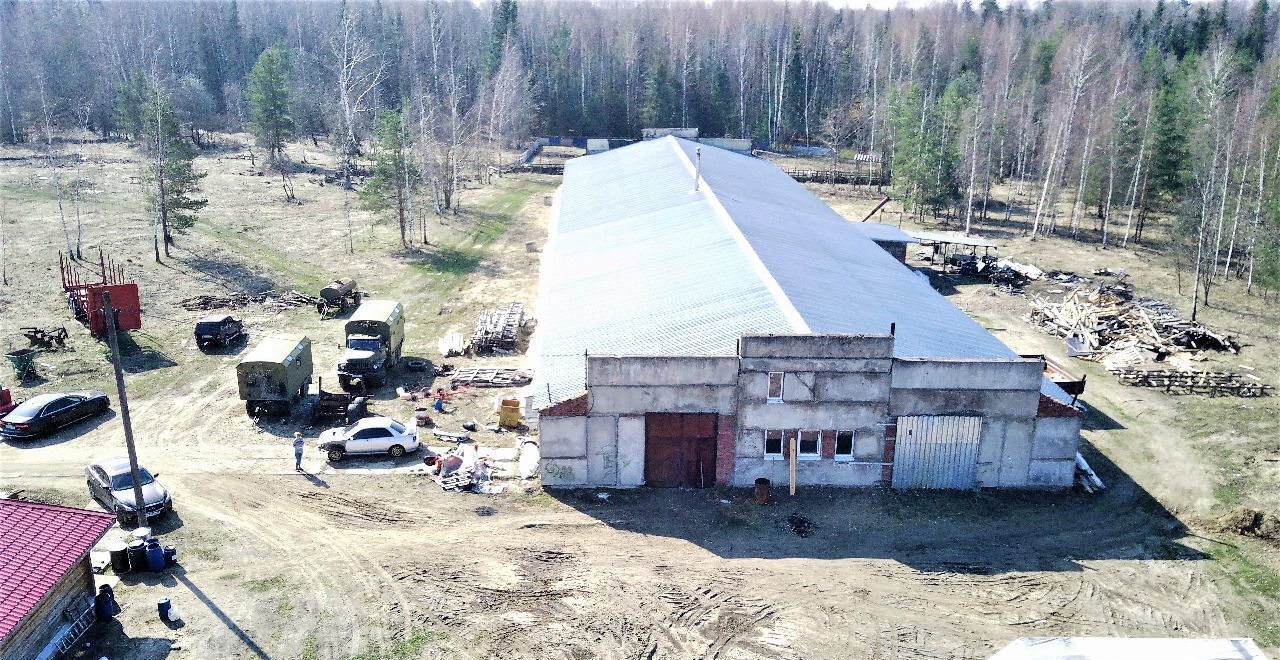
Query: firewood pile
x=1106, y=323
x=498, y=330
x=286, y=300
x=1213, y=383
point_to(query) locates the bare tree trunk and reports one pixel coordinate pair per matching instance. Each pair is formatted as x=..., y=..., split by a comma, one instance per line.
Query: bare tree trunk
x=1257, y=209
x=973, y=164
x=1137, y=173
x=1235, y=217
x=53, y=162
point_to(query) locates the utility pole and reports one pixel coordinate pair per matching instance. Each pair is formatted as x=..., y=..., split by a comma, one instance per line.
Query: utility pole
x=139, y=504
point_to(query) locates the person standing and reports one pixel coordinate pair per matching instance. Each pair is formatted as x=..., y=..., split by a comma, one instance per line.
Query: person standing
x=297, y=451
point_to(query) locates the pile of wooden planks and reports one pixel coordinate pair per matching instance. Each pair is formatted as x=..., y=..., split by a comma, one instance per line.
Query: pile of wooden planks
x=498, y=329
x=1112, y=329
x=1213, y=383
x=489, y=378
x=286, y=300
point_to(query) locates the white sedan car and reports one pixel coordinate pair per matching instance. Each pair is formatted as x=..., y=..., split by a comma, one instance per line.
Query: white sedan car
x=371, y=435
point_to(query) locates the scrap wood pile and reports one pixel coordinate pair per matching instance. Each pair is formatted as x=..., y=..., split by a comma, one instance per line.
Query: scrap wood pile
x=1213, y=383
x=286, y=300
x=1105, y=322
x=489, y=378
x=498, y=329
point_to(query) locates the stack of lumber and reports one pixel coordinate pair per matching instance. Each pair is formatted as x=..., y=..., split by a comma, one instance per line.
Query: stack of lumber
x=1213, y=383
x=1108, y=324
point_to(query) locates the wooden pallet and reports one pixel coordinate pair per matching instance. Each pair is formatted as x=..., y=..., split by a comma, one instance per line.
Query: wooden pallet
x=1212, y=383
x=490, y=377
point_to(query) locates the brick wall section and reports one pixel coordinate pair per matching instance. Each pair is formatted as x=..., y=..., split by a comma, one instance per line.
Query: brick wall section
x=828, y=449
x=573, y=407
x=890, y=443
x=726, y=445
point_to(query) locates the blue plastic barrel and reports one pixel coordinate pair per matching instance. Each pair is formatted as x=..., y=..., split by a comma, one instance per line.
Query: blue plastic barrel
x=162, y=607
x=155, y=555
x=137, y=551
x=170, y=555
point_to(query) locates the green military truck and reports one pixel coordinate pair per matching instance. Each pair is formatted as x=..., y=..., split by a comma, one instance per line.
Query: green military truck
x=374, y=340
x=275, y=374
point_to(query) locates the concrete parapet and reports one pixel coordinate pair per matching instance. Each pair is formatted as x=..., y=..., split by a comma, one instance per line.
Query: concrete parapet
x=816, y=346
x=642, y=371
x=978, y=374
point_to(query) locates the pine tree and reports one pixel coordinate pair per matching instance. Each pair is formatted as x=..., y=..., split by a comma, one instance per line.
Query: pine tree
x=395, y=177
x=504, y=23
x=1170, y=141
x=131, y=101
x=171, y=177
x=269, y=116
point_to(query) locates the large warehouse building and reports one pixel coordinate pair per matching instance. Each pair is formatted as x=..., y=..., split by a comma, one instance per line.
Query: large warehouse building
x=705, y=320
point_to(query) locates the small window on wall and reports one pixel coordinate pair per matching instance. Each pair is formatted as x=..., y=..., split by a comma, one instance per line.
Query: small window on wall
x=775, y=387
x=844, y=445
x=810, y=442
x=773, y=444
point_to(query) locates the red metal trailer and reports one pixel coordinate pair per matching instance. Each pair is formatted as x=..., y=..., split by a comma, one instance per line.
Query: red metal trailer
x=84, y=296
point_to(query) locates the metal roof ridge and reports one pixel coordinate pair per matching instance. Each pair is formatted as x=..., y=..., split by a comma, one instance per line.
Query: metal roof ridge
x=770, y=284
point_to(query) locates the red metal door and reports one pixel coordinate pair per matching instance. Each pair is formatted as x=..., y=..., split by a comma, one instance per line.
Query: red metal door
x=680, y=450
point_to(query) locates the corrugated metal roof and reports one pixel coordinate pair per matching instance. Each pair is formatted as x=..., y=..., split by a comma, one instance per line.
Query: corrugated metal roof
x=882, y=232
x=39, y=544
x=641, y=263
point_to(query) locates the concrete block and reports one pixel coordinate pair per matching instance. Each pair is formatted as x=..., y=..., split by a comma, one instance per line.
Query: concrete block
x=797, y=386
x=868, y=445
x=1056, y=438
x=1010, y=374
x=750, y=443
x=1015, y=458
x=602, y=450
x=563, y=437
x=991, y=442
x=822, y=416
x=816, y=346
x=816, y=365
x=808, y=473
x=986, y=403
x=1051, y=473
x=988, y=475
x=631, y=371
x=564, y=471
x=615, y=400
x=852, y=387
x=631, y=451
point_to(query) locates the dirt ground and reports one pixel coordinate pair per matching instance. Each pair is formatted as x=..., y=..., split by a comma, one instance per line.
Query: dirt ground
x=368, y=559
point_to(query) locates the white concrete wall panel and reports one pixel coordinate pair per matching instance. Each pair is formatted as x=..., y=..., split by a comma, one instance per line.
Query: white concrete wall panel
x=852, y=387
x=563, y=437
x=602, y=450
x=1056, y=438
x=615, y=400
x=816, y=346
x=635, y=371
x=564, y=472
x=630, y=451
x=1013, y=374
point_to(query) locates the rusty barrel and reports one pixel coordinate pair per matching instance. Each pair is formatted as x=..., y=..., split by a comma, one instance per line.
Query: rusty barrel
x=762, y=491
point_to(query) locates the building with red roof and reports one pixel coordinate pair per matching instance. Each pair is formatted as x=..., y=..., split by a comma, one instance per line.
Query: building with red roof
x=46, y=583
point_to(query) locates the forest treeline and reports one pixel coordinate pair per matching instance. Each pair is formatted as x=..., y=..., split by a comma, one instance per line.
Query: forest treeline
x=1112, y=122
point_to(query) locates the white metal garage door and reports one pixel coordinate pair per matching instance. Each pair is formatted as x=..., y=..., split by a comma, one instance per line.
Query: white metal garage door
x=937, y=452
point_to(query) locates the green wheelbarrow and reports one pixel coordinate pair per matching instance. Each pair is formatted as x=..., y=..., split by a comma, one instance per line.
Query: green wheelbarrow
x=23, y=361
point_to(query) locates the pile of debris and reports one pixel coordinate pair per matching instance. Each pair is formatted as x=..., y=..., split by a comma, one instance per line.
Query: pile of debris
x=286, y=300
x=1250, y=522
x=498, y=330
x=1106, y=325
x=489, y=378
x=1213, y=383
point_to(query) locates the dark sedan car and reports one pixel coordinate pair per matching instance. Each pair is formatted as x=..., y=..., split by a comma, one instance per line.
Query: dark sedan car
x=111, y=483
x=47, y=413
